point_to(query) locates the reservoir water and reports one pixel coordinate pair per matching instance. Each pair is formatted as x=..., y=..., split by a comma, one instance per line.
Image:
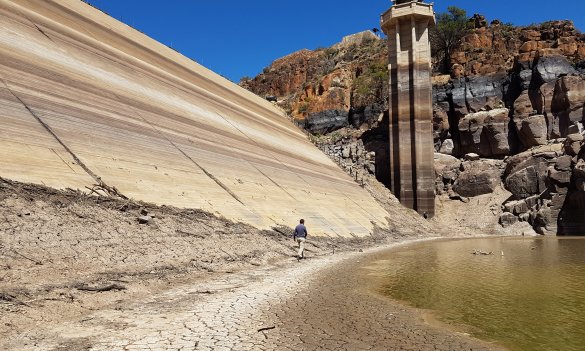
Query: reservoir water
x=529, y=294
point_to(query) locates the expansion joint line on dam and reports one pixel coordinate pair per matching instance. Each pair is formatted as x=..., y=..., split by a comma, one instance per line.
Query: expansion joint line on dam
x=286, y=166
x=207, y=173
x=92, y=174
x=256, y=168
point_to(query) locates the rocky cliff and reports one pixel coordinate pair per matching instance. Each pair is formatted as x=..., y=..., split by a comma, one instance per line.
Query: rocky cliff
x=513, y=101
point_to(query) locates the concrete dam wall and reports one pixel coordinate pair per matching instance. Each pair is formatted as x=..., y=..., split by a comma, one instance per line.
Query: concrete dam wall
x=86, y=100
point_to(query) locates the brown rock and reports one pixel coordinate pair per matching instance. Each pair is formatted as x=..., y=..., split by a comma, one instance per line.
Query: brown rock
x=530, y=35
x=472, y=157
x=532, y=130
x=485, y=132
x=440, y=123
x=144, y=219
x=573, y=143
x=446, y=167
x=526, y=174
x=542, y=100
x=569, y=98
x=581, y=51
x=508, y=219
x=523, y=106
x=447, y=147
x=563, y=163
x=561, y=177
x=532, y=201
x=478, y=178
x=529, y=46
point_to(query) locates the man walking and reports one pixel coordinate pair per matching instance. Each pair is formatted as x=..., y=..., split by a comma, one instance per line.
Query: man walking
x=300, y=236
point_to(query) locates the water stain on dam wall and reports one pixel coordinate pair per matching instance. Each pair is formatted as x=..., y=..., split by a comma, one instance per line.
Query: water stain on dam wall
x=85, y=99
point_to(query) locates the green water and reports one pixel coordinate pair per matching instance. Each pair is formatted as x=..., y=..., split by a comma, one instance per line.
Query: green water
x=530, y=298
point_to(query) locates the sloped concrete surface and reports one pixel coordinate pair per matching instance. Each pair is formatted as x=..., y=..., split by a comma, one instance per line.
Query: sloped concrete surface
x=86, y=100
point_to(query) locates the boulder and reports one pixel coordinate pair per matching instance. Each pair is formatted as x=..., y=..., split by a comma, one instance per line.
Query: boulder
x=563, y=163
x=144, y=219
x=446, y=167
x=561, y=177
x=575, y=127
x=364, y=114
x=532, y=201
x=485, y=133
x=440, y=123
x=526, y=174
x=532, y=130
x=544, y=222
x=520, y=207
x=548, y=69
x=572, y=217
x=572, y=144
x=516, y=207
x=447, y=147
x=483, y=92
x=569, y=99
x=326, y=121
x=478, y=178
x=474, y=94
x=508, y=219
x=523, y=106
x=472, y=157
x=542, y=99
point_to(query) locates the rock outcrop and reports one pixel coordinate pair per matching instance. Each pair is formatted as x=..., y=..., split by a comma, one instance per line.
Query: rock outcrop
x=547, y=184
x=513, y=93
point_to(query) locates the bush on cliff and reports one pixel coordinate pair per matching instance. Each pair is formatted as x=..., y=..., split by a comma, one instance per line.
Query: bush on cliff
x=447, y=34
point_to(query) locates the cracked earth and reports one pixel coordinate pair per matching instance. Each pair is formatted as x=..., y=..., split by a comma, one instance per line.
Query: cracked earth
x=191, y=281
x=324, y=303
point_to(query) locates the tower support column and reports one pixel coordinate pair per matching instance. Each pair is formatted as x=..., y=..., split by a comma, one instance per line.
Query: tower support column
x=410, y=109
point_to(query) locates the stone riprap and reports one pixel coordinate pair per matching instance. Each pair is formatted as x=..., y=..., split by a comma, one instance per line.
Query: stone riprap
x=89, y=102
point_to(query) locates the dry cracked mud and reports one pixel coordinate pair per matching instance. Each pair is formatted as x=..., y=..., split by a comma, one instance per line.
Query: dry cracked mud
x=316, y=304
x=188, y=281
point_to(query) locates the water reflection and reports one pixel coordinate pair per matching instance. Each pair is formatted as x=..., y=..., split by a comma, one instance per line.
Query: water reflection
x=529, y=294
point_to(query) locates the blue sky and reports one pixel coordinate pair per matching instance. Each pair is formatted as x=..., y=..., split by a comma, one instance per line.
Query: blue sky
x=240, y=38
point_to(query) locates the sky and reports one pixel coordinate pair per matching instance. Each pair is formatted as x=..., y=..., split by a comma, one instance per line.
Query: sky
x=240, y=38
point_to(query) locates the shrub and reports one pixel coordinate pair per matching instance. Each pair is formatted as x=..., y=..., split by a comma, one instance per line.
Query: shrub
x=447, y=34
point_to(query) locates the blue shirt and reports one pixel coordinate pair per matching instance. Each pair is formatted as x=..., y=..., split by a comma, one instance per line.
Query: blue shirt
x=300, y=231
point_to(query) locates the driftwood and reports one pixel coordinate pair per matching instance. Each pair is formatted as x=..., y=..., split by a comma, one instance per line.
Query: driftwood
x=100, y=288
x=111, y=191
x=13, y=299
x=262, y=330
x=479, y=252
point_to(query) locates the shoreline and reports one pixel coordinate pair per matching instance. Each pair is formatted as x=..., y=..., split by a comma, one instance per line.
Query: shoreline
x=311, y=304
x=60, y=248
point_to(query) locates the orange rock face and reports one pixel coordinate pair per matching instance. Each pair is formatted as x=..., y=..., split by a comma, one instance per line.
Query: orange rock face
x=495, y=48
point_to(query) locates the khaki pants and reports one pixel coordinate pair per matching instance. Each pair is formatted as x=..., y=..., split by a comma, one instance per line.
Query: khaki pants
x=301, y=242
